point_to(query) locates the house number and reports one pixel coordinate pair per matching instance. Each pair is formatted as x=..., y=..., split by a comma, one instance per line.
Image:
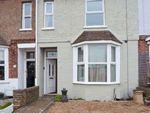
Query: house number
x=51, y=54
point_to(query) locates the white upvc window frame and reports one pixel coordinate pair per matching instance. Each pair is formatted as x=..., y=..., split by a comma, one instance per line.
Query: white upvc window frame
x=6, y=64
x=26, y=16
x=85, y=62
x=94, y=12
x=45, y=14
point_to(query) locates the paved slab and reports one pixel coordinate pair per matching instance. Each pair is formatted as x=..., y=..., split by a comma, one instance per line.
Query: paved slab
x=38, y=106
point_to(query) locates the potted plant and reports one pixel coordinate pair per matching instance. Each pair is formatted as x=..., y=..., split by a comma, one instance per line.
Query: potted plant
x=1, y=95
x=7, y=108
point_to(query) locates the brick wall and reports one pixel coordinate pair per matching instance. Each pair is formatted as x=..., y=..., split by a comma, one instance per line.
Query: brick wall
x=11, y=20
x=143, y=49
x=145, y=90
x=23, y=97
x=13, y=55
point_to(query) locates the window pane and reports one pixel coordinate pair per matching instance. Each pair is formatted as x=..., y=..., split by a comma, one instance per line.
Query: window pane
x=80, y=54
x=49, y=8
x=27, y=22
x=113, y=54
x=30, y=55
x=2, y=57
x=27, y=9
x=49, y=21
x=94, y=5
x=97, y=73
x=97, y=53
x=2, y=70
x=94, y=19
x=80, y=76
x=113, y=73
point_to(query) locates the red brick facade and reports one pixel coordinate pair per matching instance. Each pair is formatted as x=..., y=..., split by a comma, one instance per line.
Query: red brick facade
x=10, y=23
x=13, y=55
x=144, y=71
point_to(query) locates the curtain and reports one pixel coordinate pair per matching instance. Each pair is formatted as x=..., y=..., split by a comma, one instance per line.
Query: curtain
x=113, y=73
x=80, y=76
x=1, y=56
x=97, y=73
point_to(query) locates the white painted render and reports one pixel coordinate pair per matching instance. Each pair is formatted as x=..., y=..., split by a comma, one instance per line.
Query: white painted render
x=144, y=17
x=121, y=18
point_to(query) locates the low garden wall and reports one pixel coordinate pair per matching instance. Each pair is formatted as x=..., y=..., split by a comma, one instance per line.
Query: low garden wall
x=23, y=97
x=146, y=91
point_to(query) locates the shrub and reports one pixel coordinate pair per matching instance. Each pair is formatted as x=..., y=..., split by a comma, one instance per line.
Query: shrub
x=1, y=93
x=80, y=99
x=5, y=106
x=58, y=98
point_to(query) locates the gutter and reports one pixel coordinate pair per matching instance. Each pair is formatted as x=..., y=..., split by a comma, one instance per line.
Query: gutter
x=36, y=36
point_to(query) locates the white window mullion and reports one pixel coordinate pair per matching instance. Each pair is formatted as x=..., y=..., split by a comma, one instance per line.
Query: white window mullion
x=108, y=62
x=86, y=62
x=118, y=64
x=75, y=64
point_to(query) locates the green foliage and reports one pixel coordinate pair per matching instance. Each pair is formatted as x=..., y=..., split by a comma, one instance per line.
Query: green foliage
x=148, y=98
x=5, y=106
x=1, y=93
x=80, y=99
x=58, y=98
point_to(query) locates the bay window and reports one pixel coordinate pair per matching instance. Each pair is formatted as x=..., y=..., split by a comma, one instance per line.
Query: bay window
x=3, y=63
x=96, y=64
x=94, y=12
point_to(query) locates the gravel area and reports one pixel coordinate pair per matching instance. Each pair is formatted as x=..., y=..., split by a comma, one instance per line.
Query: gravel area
x=3, y=102
x=98, y=107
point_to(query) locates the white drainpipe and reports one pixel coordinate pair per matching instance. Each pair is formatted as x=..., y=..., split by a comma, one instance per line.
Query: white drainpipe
x=36, y=38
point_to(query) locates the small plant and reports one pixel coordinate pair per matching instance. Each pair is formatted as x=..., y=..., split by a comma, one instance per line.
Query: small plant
x=5, y=106
x=80, y=99
x=58, y=98
x=148, y=98
x=1, y=93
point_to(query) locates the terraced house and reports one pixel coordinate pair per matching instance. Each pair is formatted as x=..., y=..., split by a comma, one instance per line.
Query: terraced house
x=89, y=47
x=17, y=45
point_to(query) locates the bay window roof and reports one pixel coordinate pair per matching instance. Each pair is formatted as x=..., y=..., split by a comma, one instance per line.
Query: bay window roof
x=96, y=36
x=3, y=42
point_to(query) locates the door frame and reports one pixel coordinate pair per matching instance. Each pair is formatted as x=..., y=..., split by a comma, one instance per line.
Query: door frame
x=45, y=69
x=25, y=65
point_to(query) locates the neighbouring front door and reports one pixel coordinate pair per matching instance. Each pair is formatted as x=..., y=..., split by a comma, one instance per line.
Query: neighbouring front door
x=51, y=76
x=30, y=73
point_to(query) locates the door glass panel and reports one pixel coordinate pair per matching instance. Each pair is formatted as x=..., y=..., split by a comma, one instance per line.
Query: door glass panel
x=52, y=70
x=49, y=70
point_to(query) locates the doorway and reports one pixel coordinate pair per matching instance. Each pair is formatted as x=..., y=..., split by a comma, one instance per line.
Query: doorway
x=30, y=74
x=51, y=75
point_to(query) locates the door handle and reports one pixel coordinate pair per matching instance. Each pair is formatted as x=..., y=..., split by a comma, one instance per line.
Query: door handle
x=51, y=78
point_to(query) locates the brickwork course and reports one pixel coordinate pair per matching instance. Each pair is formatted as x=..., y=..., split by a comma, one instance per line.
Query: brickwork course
x=144, y=71
x=25, y=96
x=11, y=22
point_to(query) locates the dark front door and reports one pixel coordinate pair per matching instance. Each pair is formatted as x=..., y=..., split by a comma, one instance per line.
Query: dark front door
x=30, y=73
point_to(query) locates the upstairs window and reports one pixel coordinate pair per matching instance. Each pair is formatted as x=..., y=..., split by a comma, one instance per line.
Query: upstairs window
x=94, y=12
x=26, y=23
x=49, y=15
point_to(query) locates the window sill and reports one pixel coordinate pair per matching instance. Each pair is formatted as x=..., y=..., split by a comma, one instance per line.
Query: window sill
x=97, y=83
x=89, y=27
x=25, y=29
x=4, y=82
x=46, y=29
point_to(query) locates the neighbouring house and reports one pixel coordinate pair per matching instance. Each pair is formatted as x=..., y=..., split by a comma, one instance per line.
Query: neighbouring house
x=144, y=41
x=17, y=45
x=89, y=47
